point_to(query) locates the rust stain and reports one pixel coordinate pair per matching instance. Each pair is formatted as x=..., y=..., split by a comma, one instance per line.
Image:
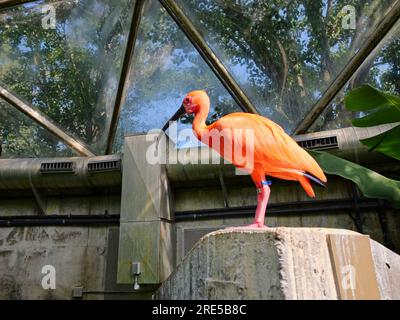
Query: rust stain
x=65, y=236
x=15, y=235
x=5, y=253
x=36, y=233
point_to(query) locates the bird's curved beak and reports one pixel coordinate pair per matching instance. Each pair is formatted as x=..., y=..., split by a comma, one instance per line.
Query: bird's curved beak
x=181, y=111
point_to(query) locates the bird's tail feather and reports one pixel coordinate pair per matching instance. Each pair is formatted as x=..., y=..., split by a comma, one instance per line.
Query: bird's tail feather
x=314, y=179
x=305, y=183
x=304, y=178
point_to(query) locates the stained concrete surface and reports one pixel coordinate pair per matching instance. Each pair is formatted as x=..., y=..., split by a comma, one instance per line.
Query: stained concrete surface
x=277, y=263
x=82, y=257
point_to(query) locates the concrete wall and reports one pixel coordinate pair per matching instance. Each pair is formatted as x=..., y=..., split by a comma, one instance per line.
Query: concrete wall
x=77, y=254
x=87, y=256
x=82, y=257
x=63, y=205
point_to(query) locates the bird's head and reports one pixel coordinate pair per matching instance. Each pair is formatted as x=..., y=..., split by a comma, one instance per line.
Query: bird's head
x=194, y=100
x=192, y=103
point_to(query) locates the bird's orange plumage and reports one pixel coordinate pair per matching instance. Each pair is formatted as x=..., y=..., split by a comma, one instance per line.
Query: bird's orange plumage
x=276, y=154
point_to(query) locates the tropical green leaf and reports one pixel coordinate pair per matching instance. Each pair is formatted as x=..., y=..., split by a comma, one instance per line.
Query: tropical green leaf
x=370, y=183
x=367, y=97
x=387, y=142
x=386, y=114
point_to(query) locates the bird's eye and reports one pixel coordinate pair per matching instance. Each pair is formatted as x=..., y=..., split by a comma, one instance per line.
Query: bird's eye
x=187, y=100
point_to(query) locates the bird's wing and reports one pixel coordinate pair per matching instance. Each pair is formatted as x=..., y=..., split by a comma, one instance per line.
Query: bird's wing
x=272, y=145
x=234, y=143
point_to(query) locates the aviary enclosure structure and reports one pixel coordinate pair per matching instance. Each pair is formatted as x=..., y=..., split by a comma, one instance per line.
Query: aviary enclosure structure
x=83, y=81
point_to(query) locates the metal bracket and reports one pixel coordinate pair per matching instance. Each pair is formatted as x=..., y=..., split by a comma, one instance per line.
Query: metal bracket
x=136, y=271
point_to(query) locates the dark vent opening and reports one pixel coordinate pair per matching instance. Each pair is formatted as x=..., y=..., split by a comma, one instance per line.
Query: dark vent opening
x=108, y=165
x=319, y=143
x=57, y=167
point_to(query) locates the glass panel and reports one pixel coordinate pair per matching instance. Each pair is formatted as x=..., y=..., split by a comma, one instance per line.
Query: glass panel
x=381, y=70
x=65, y=58
x=165, y=67
x=284, y=54
x=21, y=137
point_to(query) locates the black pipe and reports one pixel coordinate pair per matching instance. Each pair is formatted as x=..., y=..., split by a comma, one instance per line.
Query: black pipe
x=281, y=208
x=59, y=220
x=244, y=211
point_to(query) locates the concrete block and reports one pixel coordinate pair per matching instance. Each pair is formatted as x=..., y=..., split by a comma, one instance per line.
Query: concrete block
x=149, y=243
x=145, y=186
x=146, y=233
x=276, y=263
x=387, y=265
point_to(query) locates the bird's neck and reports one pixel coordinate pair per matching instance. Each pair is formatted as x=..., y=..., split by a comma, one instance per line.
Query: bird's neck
x=199, y=122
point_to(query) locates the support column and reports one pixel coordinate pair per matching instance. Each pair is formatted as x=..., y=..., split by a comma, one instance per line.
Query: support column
x=146, y=229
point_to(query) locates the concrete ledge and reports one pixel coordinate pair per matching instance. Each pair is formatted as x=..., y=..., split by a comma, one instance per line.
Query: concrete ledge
x=285, y=263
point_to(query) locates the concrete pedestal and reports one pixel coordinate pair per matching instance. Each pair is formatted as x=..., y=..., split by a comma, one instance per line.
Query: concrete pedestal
x=285, y=263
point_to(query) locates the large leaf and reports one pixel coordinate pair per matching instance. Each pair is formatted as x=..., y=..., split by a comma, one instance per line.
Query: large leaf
x=387, y=110
x=366, y=98
x=387, y=142
x=386, y=114
x=370, y=183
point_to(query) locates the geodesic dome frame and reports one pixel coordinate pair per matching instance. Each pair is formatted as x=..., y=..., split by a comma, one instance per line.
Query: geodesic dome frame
x=244, y=23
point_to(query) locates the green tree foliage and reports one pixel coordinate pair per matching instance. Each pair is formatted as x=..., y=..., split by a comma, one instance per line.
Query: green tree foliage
x=381, y=70
x=284, y=54
x=165, y=68
x=26, y=139
x=70, y=72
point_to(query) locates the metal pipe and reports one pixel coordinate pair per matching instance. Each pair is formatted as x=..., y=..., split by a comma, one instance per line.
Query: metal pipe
x=59, y=220
x=312, y=207
x=351, y=67
x=37, y=116
x=273, y=209
x=208, y=55
x=208, y=162
x=86, y=173
x=126, y=64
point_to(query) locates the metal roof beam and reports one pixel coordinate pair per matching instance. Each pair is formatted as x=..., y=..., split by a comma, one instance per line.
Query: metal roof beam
x=37, y=116
x=10, y=3
x=208, y=55
x=126, y=64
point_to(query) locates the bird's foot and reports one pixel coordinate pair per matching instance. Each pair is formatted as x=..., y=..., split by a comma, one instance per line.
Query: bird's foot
x=253, y=226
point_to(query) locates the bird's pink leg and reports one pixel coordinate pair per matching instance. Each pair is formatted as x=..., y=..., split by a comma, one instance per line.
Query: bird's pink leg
x=262, y=201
